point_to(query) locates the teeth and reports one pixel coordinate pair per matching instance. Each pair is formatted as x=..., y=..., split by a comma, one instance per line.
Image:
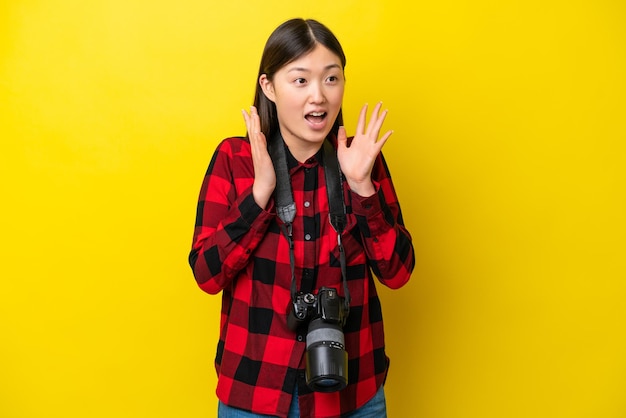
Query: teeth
x=317, y=113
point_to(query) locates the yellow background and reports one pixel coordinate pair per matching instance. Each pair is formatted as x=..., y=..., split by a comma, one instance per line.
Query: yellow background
x=508, y=156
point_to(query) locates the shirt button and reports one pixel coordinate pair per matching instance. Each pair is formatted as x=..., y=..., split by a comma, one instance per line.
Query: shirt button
x=307, y=237
x=307, y=204
x=300, y=338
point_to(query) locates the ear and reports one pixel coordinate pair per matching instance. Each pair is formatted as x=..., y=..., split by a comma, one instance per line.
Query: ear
x=268, y=87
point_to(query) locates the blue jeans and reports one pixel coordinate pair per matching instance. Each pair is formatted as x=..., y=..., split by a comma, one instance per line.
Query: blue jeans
x=374, y=408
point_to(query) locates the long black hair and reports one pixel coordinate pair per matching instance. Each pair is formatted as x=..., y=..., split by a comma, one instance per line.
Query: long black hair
x=288, y=42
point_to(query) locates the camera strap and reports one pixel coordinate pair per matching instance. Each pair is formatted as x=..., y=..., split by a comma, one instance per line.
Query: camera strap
x=286, y=207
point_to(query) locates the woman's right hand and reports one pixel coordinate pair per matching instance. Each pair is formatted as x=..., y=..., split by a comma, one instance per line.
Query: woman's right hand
x=264, y=175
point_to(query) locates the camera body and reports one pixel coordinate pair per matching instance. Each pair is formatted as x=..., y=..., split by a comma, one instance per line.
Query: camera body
x=326, y=357
x=327, y=305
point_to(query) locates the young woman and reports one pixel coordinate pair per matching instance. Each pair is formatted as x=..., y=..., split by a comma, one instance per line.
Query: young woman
x=272, y=260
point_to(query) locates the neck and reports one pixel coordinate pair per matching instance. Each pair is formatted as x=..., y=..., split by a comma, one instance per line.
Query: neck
x=301, y=150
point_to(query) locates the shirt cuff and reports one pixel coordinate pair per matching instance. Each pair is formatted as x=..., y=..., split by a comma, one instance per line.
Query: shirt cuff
x=253, y=214
x=367, y=206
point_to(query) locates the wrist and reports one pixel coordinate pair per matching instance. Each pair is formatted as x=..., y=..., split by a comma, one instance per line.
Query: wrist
x=363, y=188
x=261, y=195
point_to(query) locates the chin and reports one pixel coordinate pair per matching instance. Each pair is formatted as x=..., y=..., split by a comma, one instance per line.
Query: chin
x=319, y=138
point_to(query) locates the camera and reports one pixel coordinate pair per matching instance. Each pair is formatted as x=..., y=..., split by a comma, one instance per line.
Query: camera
x=326, y=356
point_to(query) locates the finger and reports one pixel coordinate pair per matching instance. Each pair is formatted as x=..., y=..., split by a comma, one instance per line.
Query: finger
x=374, y=118
x=256, y=122
x=246, y=117
x=258, y=143
x=248, y=120
x=384, y=139
x=342, y=138
x=378, y=124
x=360, y=126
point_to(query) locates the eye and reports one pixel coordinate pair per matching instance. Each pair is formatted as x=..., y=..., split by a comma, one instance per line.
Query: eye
x=332, y=79
x=299, y=81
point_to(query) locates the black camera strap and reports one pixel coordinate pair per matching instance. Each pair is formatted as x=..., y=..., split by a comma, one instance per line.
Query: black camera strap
x=286, y=207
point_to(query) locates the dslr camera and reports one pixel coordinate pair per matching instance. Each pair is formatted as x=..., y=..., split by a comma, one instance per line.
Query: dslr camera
x=326, y=356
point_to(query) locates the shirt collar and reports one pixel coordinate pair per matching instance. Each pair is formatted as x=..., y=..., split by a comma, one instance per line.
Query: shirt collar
x=313, y=161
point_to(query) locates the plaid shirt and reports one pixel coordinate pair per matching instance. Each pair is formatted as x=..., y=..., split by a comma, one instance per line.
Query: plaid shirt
x=238, y=249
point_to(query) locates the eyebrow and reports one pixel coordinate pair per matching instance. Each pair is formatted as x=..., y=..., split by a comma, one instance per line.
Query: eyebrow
x=306, y=70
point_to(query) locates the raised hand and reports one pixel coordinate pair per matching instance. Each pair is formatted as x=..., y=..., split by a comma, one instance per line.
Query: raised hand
x=264, y=175
x=357, y=160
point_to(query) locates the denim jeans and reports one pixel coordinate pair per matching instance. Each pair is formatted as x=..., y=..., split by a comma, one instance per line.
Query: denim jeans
x=374, y=408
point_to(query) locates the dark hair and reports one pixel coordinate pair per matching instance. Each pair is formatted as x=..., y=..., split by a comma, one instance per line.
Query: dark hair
x=288, y=42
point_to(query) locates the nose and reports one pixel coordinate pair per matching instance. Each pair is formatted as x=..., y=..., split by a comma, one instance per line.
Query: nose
x=316, y=94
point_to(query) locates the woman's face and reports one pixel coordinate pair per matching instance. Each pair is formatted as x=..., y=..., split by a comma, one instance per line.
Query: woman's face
x=308, y=93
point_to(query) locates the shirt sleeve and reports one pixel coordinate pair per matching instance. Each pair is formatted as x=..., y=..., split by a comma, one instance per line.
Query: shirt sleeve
x=229, y=223
x=386, y=240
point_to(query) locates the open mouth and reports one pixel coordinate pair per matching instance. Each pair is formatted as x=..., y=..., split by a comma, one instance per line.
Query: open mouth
x=315, y=117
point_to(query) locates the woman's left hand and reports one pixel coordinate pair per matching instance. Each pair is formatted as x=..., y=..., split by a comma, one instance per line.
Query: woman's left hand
x=357, y=160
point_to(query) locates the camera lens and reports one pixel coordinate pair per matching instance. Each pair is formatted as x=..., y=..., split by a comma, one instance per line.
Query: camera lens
x=326, y=357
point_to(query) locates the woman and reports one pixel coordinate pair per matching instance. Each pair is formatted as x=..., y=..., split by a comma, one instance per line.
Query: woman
x=271, y=259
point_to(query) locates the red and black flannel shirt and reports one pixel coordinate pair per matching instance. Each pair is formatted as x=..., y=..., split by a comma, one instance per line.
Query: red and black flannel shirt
x=238, y=249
